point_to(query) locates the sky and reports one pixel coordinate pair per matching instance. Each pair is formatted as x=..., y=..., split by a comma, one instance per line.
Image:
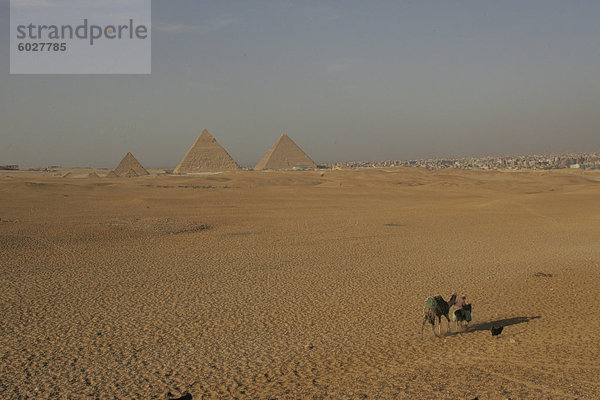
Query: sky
x=346, y=80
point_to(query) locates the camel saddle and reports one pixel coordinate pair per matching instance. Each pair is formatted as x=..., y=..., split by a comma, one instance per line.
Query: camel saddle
x=437, y=304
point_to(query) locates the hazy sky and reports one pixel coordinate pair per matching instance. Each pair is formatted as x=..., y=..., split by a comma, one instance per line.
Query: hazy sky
x=347, y=80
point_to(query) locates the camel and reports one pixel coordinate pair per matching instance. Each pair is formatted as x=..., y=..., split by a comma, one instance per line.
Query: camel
x=436, y=307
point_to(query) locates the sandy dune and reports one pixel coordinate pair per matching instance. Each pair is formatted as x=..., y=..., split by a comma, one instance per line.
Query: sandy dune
x=303, y=285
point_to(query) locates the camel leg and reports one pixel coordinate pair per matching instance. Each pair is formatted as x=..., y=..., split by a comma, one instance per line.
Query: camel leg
x=432, y=322
x=449, y=328
x=455, y=322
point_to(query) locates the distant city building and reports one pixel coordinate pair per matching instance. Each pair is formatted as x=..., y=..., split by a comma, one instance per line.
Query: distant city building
x=533, y=161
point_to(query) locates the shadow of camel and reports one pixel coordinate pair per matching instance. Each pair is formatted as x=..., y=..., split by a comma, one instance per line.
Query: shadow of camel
x=486, y=326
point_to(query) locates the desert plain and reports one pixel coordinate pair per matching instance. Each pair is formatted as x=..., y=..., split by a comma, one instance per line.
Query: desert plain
x=299, y=285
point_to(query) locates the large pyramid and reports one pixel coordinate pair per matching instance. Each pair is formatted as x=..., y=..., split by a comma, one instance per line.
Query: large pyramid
x=285, y=154
x=127, y=164
x=206, y=155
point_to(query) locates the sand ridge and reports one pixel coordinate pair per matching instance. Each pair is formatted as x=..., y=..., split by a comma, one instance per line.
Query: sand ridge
x=298, y=285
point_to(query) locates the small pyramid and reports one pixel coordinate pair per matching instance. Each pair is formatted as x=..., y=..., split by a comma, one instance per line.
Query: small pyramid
x=130, y=174
x=93, y=175
x=206, y=155
x=68, y=174
x=130, y=163
x=285, y=154
x=112, y=174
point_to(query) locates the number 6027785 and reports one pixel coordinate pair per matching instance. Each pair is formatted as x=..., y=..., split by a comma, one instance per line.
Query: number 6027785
x=42, y=47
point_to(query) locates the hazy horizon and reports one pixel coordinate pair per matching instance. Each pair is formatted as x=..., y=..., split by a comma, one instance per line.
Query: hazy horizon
x=345, y=80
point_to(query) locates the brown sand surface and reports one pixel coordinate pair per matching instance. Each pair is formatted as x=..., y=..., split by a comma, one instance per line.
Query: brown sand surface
x=299, y=285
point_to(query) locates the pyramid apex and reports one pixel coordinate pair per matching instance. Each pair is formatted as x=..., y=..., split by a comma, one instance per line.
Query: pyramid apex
x=206, y=133
x=282, y=138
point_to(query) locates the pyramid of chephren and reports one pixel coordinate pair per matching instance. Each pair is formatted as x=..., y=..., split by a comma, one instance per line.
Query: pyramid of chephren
x=129, y=163
x=285, y=154
x=206, y=155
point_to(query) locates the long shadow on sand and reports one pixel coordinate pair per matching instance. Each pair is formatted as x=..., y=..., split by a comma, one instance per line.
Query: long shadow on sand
x=486, y=326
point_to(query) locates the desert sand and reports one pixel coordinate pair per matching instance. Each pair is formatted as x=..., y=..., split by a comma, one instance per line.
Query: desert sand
x=307, y=284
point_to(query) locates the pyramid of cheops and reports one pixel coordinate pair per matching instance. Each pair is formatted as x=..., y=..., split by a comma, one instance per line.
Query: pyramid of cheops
x=285, y=154
x=129, y=163
x=206, y=155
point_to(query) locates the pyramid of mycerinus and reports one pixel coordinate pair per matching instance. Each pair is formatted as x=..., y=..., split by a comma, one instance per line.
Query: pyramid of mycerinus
x=130, y=163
